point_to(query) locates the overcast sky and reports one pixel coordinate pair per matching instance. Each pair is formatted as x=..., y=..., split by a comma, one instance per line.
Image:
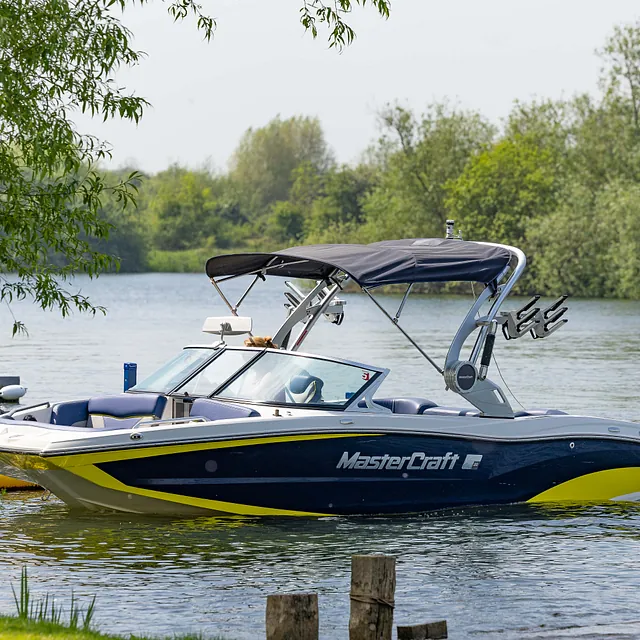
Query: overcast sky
x=483, y=54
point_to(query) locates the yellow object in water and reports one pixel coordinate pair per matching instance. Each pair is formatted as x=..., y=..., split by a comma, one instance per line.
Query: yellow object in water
x=12, y=483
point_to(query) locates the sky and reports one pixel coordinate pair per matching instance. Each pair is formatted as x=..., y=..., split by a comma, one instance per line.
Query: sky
x=480, y=54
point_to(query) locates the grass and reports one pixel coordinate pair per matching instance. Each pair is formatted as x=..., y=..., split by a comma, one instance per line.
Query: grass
x=14, y=628
x=42, y=619
x=45, y=610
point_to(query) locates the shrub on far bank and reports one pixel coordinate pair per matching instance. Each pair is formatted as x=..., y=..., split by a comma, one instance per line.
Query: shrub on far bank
x=188, y=261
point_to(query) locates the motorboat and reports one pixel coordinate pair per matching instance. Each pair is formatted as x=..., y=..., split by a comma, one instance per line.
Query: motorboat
x=10, y=393
x=274, y=431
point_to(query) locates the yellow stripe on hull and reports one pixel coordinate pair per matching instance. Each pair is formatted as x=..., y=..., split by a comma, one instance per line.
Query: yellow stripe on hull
x=83, y=466
x=600, y=486
x=81, y=459
x=12, y=483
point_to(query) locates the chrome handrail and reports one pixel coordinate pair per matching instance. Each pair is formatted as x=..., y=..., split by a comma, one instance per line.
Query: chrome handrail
x=167, y=421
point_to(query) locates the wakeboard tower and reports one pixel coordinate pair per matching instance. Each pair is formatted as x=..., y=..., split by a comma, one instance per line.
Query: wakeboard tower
x=274, y=431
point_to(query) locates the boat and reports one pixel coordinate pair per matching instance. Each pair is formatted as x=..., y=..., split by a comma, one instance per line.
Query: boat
x=10, y=392
x=273, y=431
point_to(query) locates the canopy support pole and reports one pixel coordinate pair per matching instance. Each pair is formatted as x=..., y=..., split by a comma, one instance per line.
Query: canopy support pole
x=246, y=293
x=231, y=307
x=404, y=299
x=405, y=334
x=219, y=290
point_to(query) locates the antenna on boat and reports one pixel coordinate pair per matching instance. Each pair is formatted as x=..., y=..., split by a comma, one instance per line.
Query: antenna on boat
x=450, y=233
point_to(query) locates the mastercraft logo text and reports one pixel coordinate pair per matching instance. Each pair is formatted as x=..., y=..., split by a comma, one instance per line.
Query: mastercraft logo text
x=417, y=461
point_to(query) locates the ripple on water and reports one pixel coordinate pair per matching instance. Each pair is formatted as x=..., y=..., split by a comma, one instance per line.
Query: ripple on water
x=486, y=570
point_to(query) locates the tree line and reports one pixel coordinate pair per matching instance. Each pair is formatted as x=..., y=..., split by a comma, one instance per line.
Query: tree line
x=559, y=179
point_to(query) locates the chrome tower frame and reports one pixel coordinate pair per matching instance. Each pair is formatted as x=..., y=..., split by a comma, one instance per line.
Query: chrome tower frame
x=461, y=376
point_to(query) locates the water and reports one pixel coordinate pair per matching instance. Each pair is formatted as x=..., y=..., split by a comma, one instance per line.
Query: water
x=511, y=572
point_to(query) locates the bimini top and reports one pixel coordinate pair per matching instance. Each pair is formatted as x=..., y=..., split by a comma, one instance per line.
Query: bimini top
x=373, y=265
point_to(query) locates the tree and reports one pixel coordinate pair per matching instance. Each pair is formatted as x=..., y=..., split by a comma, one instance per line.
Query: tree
x=264, y=162
x=621, y=55
x=604, y=143
x=285, y=223
x=181, y=208
x=589, y=245
x=314, y=12
x=129, y=239
x=59, y=57
x=337, y=214
x=504, y=189
x=418, y=157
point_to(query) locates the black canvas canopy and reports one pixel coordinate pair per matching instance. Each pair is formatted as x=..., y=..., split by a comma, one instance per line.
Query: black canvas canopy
x=374, y=265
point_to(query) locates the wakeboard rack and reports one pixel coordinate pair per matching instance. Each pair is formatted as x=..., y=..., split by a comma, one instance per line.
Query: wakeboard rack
x=537, y=321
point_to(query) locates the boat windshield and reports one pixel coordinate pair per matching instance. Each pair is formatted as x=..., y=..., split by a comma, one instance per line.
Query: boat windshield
x=287, y=378
x=175, y=371
x=206, y=381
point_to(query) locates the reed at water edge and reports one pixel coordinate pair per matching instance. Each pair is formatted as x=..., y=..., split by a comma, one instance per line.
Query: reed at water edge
x=43, y=619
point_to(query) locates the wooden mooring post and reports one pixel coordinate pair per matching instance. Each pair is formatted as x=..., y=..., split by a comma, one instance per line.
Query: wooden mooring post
x=427, y=631
x=292, y=616
x=373, y=586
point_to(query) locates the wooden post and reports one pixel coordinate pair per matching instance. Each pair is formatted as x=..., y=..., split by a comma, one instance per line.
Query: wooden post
x=292, y=616
x=427, y=631
x=373, y=586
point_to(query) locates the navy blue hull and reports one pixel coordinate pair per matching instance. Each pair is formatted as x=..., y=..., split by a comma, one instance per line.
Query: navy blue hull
x=375, y=474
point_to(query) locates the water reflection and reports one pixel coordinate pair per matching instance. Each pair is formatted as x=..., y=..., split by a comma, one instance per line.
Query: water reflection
x=526, y=561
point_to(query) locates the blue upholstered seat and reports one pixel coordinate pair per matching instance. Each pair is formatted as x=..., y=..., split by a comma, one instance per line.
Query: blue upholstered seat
x=70, y=414
x=120, y=411
x=304, y=389
x=125, y=410
x=412, y=406
x=215, y=410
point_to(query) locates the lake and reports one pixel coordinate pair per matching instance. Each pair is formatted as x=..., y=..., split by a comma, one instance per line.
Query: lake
x=509, y=572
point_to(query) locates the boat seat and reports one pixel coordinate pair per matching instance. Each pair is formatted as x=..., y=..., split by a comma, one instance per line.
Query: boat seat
x=451, y=411
x=540, y=412
x=214, y=410
x=304, y=389
x=70, y=414
x=412, y=406
x=124, y=410
x=121, y=411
